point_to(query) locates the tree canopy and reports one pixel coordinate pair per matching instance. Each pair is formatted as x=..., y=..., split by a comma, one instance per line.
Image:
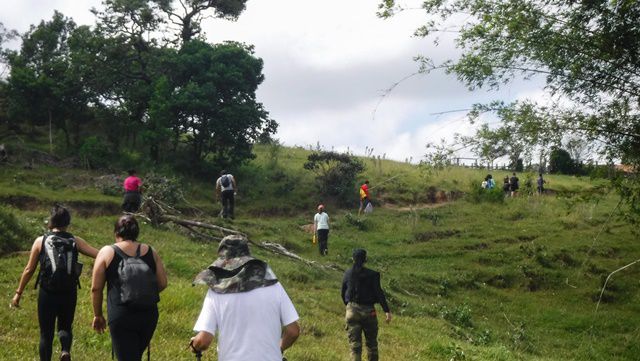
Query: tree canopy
x=140, y=83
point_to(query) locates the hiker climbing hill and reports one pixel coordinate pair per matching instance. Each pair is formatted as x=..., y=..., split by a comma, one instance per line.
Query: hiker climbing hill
x=57, y=253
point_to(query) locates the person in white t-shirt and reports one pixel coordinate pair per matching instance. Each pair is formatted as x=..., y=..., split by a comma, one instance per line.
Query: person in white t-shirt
x=245, y=308
x=321, y=228
x=226, y=190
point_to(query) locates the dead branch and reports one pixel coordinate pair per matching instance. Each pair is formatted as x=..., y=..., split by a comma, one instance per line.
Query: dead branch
x=281, y=250
x=201, y=235
x=155, y=212
x=608, y=277
x=188, y=223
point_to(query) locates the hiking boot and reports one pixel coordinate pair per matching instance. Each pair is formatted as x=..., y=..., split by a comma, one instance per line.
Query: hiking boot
x=65, y=356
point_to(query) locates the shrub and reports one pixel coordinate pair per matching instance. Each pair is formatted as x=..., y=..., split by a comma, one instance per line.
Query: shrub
x=165, y=189
x=477, y=194
x=13, y=235
x=336, y=174
x=94, y=152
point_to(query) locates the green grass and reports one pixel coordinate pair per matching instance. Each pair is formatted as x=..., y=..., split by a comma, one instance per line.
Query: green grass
x=466, y=280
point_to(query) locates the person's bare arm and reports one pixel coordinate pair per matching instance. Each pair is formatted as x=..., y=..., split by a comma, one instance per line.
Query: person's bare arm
x=98, y=280
x=28, y=271
x=201, y=341
x=161, y=273
x=85, y=248
x=290, y=334
x=235, y=185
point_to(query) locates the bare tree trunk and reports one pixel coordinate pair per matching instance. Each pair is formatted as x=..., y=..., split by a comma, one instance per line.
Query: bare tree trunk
x=50, y=132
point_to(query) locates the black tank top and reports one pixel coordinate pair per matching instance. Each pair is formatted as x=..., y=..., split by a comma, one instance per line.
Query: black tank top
x=114, y=310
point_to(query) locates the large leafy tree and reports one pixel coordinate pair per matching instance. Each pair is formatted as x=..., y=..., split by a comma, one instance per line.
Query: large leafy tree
x=43, y=87
x=587, y=52
x=215, y=100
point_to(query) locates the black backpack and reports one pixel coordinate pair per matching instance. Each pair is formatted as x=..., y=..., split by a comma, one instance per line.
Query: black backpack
x=225, y=181
x=137, y=285
x=59, y=266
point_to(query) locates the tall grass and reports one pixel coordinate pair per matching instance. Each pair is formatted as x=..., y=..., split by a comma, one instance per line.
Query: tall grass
x=470, y=279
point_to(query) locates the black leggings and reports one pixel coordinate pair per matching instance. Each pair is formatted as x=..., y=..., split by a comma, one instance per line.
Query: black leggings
x=52, y=306
x=131, y=334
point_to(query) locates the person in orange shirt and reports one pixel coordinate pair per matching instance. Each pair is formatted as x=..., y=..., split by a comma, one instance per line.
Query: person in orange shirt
x=364, y=196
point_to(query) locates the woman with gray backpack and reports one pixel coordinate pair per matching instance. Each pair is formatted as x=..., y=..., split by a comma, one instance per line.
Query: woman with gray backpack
x=135, y=276
x=57, y=253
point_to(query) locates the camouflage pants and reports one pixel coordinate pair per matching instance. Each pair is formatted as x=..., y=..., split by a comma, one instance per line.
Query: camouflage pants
x=361, y=318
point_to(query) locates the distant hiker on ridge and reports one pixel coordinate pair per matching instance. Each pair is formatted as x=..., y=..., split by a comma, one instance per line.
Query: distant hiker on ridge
x=57, y=253
x=514, y=183
x=226, y=190
x=321, y=228
x=541, y=183
x=361, y=290
x=506, y=187
x=132, y=192
x=364, y=196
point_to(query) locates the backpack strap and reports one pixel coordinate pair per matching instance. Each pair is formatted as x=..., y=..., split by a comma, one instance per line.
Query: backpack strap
x=124, y=255
x=44, y=238
x=119, y=252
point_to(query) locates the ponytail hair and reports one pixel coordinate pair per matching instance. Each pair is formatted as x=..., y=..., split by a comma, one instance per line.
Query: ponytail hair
x=359, y=258
x=127, y=227
x=59, y=218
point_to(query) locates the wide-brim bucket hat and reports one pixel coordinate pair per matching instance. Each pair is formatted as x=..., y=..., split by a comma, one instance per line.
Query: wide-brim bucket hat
x=235, y=270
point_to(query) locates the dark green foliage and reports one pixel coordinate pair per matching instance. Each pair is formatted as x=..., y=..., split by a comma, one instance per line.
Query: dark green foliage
x=336, y=174
x=361, y=224
x=94, y=152
x=560, y=162
x=126, y=81
x=44, y=88
x=166, y=189
x=215, y=99
x=13, y=235
x=477, y=194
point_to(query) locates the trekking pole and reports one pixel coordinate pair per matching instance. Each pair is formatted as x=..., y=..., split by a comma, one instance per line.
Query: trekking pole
x=385, y=181
x=197, y=352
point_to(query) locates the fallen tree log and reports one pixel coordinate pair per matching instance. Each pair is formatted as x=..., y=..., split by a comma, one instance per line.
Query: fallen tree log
x=155, y=212
x=189, y=223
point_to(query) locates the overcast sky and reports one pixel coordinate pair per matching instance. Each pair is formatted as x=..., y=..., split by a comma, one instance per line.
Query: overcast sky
x=326, y=65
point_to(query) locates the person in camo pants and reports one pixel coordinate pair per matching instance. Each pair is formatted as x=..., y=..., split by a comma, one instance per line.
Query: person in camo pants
x=361, y=290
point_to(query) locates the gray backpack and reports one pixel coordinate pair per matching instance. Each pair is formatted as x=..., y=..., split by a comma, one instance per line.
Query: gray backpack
x=137, y=283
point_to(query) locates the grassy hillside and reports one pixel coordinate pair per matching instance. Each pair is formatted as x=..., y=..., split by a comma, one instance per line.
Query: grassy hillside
x=467, y=279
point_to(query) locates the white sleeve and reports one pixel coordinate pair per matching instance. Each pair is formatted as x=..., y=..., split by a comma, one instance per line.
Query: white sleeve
x=288, y=313
x=207, y=319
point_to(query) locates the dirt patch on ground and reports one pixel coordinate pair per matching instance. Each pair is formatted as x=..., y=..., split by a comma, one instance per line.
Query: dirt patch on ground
x=80, y=208
x=414, y=207
x=518, y=239
x=477, y=246
x=307, y=228
x=431, y=235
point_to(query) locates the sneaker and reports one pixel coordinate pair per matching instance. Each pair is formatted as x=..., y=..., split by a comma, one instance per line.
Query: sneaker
x=65, y=356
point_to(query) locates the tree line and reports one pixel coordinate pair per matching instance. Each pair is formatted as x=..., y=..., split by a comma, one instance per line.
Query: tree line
x=587, y=53
x=142, y=82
